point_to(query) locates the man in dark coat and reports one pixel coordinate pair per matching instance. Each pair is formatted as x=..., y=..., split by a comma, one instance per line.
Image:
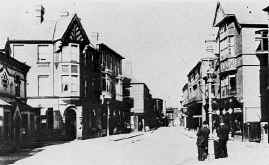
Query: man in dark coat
x=223, y=136
x=202, y=141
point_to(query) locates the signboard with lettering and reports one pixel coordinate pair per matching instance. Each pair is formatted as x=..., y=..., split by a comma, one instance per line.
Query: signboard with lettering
x=229, y=64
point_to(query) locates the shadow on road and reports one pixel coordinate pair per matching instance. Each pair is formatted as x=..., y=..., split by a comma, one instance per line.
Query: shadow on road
x=10, y=158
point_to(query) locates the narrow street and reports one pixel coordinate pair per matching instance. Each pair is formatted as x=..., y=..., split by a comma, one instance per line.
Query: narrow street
x=165, y=146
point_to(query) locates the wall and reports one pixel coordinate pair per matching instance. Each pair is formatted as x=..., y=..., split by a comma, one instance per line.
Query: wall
x=251, y=79
x=28, y=53
x=137, y=93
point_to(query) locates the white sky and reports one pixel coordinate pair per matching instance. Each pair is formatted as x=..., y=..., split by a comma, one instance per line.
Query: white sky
x=163, y=38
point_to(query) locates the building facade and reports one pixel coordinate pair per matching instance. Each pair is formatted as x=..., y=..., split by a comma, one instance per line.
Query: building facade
x=195, y=93
x=64, y=76
x=19, y=122
x=238, y=66
x=111, y=87
x=142, y=108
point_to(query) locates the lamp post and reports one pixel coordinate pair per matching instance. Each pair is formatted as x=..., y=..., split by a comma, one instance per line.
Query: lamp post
x=211, y=153
x=107, y=118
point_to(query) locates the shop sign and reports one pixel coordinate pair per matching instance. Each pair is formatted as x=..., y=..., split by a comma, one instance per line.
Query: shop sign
x=229, y=64
x=237, y=110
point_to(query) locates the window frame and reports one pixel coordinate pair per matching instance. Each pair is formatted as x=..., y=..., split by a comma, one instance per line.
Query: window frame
x=41, y=60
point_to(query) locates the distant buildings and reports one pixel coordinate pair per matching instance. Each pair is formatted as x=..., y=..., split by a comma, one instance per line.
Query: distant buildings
x=194, y=90
x=239, y=90
x=142, y=108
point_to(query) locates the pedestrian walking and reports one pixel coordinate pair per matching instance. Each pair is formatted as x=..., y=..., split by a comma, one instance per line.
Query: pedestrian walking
x=223, y=136
x=202, y=141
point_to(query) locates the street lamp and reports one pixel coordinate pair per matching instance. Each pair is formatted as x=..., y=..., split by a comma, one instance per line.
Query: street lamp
x=210, y=75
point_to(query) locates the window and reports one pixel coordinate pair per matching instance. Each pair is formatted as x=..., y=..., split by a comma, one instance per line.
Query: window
x=65, y=83
x=25, y=122
x=85, y=87
x=65, y=68
x=17, y=85
x=65, y=54
x=4, y=80
x=19, y=52
x=233, y=83
x=7, y=124
x=43, y=85
x=108, y=85
x=74, y=68
x=74, y=83
x=74, y=52
x=194, y=87
x=43, y=53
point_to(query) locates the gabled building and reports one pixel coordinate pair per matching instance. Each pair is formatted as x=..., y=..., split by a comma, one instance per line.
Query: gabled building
x=64, y=76
x=19, y=122
x=239, y=66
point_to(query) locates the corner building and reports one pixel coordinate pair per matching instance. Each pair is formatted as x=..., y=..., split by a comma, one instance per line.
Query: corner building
x=64, y=76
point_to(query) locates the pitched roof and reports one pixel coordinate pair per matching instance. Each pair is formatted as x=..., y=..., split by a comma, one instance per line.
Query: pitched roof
x=49, y=30
x=103, y=46
x=246, y=12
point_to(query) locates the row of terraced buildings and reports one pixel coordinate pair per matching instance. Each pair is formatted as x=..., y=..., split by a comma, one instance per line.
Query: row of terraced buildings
x=238, y=55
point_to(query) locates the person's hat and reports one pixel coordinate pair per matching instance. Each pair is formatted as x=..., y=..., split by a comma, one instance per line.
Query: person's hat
x=205, y=122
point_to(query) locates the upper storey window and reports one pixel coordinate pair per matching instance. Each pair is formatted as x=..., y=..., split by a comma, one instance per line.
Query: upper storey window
x=70, y=53
x=43, y=53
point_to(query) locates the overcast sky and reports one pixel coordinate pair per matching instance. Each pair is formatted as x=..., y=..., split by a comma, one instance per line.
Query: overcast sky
x=163, y=39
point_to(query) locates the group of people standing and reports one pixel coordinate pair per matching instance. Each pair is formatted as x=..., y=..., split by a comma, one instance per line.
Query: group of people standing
x=220, y=143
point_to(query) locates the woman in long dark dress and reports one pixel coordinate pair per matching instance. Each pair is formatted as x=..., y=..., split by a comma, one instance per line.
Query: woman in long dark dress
x=223, y=136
